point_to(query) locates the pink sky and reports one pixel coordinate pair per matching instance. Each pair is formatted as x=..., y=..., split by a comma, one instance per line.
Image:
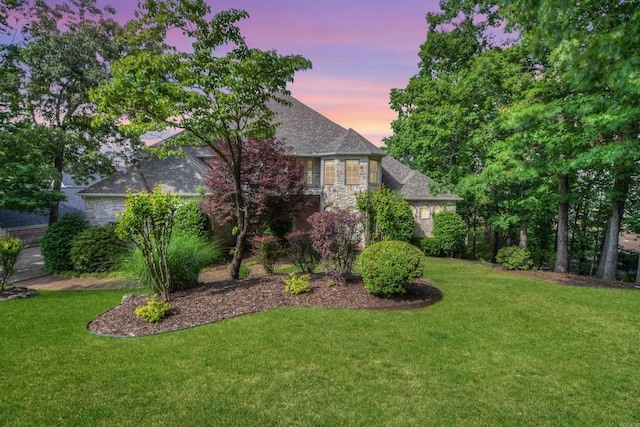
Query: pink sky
x=360, y=50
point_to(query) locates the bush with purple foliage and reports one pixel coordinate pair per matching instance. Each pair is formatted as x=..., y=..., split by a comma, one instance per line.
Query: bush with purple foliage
x=300, y=247
x=336, y=236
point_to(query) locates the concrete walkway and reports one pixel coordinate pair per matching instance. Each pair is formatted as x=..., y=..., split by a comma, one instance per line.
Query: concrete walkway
x=30, y=274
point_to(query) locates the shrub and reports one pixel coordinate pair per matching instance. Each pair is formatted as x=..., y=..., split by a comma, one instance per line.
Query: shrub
x=451, y=230
x=268, y=251
x=96, y=249
x=336, y=236
x=388, y=216
x=187, y=256
x=10, y=249
x=154, y=311
x=58, y=240
x=297, y=284
x=430, y=246
x=147, y=221
x=514, y=258
x=388, y=266
x=190, y=220
x=301, y=250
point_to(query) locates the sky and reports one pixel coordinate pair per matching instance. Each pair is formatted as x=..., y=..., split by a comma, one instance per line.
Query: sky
x=360, y=50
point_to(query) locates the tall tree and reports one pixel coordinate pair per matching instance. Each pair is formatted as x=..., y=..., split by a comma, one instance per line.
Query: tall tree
x=68, y=52
x=219, y=99
x=25, y=173
x=596, y=46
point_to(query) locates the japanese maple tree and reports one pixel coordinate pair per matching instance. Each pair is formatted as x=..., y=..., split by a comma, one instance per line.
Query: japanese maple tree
x=272, y=188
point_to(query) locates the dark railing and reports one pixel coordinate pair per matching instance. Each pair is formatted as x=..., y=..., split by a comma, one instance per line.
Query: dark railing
x=29, y=235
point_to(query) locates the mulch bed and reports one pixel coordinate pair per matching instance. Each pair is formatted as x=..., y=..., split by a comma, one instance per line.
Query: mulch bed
x=227, y=298
x=573, y=279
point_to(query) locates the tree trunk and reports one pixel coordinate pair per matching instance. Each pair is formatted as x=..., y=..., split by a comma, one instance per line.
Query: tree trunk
x=242, y=224
x=562, y=242
x=54, y=210
x=495, y=246
x=608, y=266
x=523, y=234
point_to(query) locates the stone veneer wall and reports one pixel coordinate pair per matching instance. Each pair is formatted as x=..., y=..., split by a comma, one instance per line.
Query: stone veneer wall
x=102, y=210
x=424, y=226
x=340, y=195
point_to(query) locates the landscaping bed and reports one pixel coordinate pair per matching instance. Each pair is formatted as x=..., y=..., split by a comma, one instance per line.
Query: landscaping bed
x=227, y=298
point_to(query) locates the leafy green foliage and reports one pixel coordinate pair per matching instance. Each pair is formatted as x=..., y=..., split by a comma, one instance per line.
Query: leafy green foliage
x=296, y=285
x=300, y=248
x=389, y=266
x=268, y=251
x=96, y=249
x=450, y=229
x=147, y=221
x=58, y=240
x=219, y=99
x=387, y=215
x=186, y=257
x=514, y=258
x=68, y=51
x=430, y=246
x=10, y=249
x=336, y=236
x=189, y=219
x=154, y=311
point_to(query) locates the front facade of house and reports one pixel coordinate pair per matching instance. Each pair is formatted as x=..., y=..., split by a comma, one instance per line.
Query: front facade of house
x=338, y=165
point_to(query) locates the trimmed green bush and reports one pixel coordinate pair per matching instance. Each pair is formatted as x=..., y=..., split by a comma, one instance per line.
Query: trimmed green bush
x=10, y=249
x=58, y=240
x=187, y=256
x=514, y=258
x=190, y=220
x=154, y=311
x=297, y=284
x=96, y=249
x=389, y=266
x=430, y=246
x=451, y=230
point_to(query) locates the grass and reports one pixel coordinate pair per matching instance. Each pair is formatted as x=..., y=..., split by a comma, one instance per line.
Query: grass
x=499, y=349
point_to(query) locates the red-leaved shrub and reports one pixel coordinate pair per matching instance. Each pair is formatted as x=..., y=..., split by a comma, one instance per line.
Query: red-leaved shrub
x=336, y=236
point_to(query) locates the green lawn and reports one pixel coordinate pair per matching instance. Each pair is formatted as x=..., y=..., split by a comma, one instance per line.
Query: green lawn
x=499, y=349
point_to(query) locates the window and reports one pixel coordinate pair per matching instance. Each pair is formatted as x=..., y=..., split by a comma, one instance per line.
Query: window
x=308, y=172
x=425, y=212
x=352, y=173
x=437, y=209
x=373, y=171
x=329, y=172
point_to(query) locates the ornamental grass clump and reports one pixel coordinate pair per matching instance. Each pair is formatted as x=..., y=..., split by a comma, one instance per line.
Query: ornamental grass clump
x=389, y=266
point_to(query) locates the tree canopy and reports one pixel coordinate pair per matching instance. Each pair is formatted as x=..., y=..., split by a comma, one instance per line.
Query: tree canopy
x=217, y=92
x=549, y=116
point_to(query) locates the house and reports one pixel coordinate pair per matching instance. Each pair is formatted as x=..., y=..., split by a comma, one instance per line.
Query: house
x=30, y=227
x=338, y=164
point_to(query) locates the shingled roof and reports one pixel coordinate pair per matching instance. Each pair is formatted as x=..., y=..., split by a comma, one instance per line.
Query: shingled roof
x=412, y=184
x=310, y=134
x=176, y=174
